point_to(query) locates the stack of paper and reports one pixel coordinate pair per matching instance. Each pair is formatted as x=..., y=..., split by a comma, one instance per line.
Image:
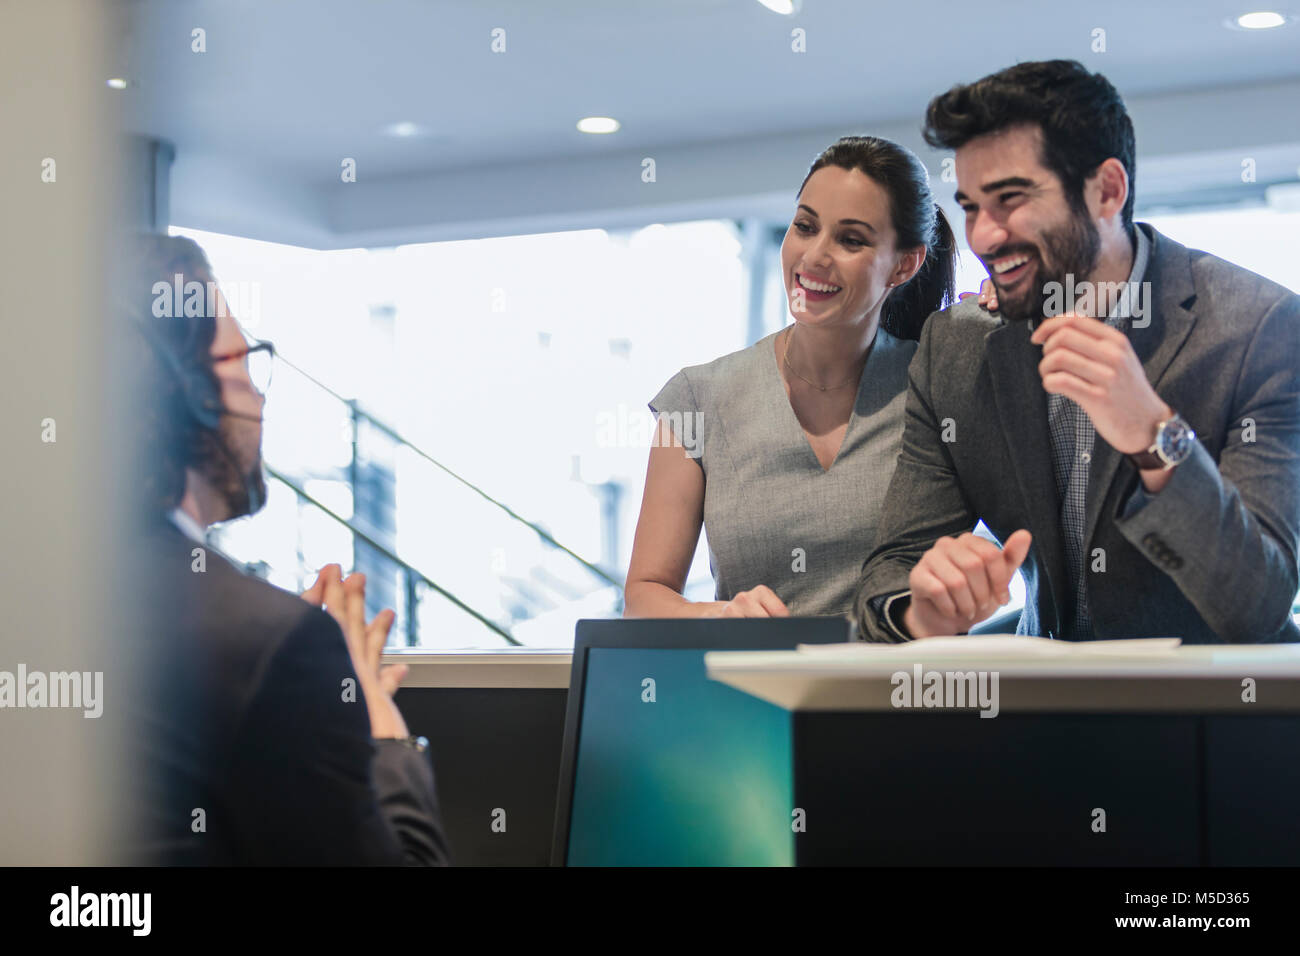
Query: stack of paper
x=1000, y=645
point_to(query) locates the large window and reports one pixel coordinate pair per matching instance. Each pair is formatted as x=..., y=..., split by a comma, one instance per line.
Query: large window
x=1260, y=238
x=523, y=365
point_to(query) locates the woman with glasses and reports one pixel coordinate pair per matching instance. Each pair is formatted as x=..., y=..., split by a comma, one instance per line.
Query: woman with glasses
x=236, y=715
x=258, y=364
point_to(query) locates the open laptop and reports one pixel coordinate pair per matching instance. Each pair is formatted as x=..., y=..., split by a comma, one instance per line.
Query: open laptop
x=664, y=767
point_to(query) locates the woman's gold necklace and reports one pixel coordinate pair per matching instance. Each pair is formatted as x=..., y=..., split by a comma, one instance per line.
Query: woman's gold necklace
x=820, y=388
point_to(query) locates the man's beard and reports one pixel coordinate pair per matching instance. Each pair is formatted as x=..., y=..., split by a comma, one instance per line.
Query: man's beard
x=1073, y=248
x=243, y=490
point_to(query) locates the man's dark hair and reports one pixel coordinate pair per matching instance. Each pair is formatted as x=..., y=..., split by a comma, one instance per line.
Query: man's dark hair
x=168, y=348
x=1080, y=114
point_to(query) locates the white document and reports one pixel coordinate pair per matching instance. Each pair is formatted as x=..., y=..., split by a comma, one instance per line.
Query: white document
x=999, y=645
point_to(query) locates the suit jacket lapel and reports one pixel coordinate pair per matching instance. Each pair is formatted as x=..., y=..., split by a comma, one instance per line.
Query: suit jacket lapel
x=1022, y=412
x=1169, y=321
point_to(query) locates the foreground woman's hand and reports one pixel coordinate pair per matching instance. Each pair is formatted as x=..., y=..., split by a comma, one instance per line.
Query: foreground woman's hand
x=756, y=602
x=345, y=600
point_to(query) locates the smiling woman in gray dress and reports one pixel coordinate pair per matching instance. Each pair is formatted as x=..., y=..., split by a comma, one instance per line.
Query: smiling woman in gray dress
x=783, y=450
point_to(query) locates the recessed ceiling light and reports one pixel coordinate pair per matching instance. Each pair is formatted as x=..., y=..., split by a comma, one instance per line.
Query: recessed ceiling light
x=402, y=129
x=598, y=124
x=1260, y=20
x=117, y=83
x=784, y=7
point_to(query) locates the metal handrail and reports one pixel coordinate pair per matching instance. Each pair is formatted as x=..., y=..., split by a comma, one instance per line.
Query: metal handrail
x=401, y=440
x=390, y=555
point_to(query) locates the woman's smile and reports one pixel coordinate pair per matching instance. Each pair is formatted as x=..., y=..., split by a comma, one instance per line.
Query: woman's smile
x=815, y=289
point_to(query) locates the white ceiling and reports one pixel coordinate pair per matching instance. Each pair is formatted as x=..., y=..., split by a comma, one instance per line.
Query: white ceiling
x=287, y=88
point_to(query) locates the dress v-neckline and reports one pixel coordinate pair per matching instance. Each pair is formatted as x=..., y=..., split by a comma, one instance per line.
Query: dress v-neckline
x=793, y=416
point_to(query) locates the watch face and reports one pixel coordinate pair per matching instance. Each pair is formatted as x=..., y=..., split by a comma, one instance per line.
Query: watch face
x=1175, y=441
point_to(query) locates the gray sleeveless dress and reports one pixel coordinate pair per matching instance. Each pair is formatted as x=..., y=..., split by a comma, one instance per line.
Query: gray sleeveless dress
x=771, y=514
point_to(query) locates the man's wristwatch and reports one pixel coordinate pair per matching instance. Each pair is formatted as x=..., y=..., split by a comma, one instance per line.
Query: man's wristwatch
x=1174, y=439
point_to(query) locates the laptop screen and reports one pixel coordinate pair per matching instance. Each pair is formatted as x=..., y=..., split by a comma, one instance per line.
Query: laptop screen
x=683, y=771
x=670, y=768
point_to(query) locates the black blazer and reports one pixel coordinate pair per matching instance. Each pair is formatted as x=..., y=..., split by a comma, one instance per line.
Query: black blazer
x=249, y=752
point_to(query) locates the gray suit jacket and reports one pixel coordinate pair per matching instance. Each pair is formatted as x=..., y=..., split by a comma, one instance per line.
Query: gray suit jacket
x=1210, y=558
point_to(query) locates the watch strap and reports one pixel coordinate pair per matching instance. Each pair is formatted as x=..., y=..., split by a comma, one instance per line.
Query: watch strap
x=1148, y=460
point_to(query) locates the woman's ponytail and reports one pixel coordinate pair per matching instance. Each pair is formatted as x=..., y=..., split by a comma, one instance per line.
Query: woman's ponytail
x=934, y=286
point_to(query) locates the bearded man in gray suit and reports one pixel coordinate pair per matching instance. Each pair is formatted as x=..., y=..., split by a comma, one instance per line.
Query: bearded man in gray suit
x=1128, y=427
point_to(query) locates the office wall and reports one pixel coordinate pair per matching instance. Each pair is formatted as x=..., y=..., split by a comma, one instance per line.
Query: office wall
x=58, y=768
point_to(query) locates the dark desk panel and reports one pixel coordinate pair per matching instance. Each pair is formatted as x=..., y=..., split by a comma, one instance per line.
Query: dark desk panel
x=1253, y=790
x=493, y=747
x=951, y=789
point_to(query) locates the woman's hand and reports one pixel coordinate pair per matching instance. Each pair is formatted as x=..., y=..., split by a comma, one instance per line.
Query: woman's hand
x=345, y=600
x=988, y=295
x=756, y=602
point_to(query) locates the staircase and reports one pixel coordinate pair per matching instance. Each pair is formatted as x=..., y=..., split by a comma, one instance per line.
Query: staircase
x=461, y=568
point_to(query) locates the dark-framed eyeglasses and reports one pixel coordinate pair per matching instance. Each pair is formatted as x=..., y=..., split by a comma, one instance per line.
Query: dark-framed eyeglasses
x=259, y=359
